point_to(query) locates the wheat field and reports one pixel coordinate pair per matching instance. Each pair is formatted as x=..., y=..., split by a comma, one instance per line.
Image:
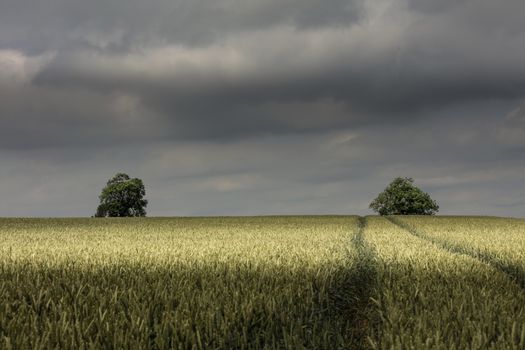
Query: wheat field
x=302, y=282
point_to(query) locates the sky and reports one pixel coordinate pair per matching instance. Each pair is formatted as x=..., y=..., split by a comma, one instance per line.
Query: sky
x=260, y=107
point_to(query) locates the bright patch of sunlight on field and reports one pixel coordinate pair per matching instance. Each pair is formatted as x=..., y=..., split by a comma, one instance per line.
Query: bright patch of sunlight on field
x=174, y=283
x=325, y=282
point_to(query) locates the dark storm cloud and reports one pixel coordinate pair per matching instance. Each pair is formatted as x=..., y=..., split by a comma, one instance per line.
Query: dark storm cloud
x=116, y=24
x=393, y=66
x=261, y=107
x=41, y=118
x=268, y=67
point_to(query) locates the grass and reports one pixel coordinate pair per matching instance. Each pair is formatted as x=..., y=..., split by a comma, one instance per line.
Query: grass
x=496, y=241
x=327, y=282
x=430, y=298
x=176, y=283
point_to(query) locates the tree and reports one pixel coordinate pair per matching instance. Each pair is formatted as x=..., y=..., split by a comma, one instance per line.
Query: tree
x=122, y=197
x=401, y=197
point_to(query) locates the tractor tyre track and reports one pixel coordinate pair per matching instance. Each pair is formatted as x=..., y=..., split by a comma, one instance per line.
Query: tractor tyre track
x=515, y=273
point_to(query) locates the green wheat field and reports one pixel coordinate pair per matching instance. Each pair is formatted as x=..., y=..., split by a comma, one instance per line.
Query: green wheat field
x=309, y=282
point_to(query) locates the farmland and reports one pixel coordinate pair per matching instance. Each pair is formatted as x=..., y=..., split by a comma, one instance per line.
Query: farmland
x=317, y=282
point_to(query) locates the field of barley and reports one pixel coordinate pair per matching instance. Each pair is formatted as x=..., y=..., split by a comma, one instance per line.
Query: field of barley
x=303, y=282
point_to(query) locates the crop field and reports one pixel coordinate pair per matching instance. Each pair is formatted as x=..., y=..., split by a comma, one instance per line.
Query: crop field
x=314, y=282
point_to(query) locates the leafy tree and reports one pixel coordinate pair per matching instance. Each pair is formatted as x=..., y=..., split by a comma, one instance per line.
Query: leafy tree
x=122, y=197
x=401, y=197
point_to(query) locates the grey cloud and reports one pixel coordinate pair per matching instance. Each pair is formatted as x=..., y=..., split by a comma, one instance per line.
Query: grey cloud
x=38, y=26
x=511, y=136
x=517, y=115
x=333, y=96
x=388, y=69
x=327, y=173
x=34, y=118
x=261, y=107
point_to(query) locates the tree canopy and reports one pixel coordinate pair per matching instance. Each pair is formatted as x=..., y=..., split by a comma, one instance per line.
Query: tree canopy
x=122, y=197
x=401, y=197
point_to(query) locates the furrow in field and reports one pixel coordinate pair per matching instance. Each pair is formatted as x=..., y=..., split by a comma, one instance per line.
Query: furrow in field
x=431, y=298
x=361, y=287
x=493, y=257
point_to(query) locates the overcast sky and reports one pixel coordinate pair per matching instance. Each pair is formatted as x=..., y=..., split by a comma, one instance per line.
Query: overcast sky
x=252, y=107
